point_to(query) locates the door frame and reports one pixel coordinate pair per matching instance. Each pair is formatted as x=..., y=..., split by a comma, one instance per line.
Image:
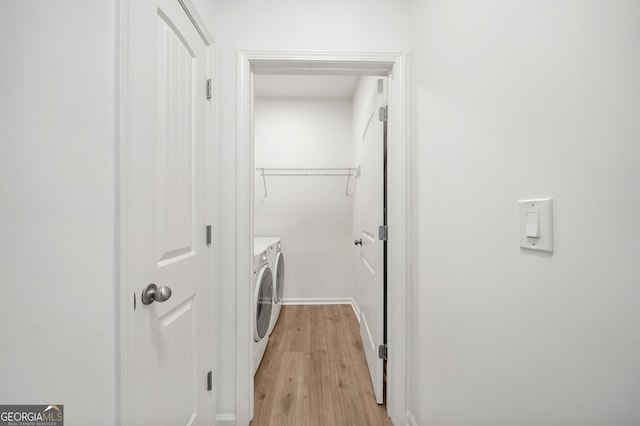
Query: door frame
x=392, y=65
x=124, y=289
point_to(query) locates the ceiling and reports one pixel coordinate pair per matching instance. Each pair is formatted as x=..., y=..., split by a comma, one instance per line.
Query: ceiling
x=305, y=86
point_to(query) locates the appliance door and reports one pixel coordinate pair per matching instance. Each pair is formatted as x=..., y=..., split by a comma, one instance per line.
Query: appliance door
x=263, y=302
x=278, y=267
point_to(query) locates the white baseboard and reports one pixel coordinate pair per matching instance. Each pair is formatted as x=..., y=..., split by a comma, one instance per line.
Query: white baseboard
x=324, y=301
x=225, y=419
x=411, y=421
x=317, y=300
x=356, y=309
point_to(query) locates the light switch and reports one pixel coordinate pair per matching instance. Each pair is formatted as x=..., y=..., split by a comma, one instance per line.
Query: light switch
x=536, y=224
x=533, y=224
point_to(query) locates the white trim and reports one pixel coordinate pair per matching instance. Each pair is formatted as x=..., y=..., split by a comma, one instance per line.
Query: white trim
x=227, y=420
x=356, y=309
x=324, y=301
x=197, y=21
x=212, y=220
x=326, y=63
x=397, y=249
x=411, y=421
x=244, y=246
x=265, y=62
x=318, y=301
x=124, y=336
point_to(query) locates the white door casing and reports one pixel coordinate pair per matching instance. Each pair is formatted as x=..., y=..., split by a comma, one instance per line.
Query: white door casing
x=166, y=345
x=279, y=62
x=371, y=266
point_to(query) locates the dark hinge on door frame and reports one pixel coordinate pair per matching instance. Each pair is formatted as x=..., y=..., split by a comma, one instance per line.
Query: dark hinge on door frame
x=383, y=113
x=210, y=380
x=382, y=352
x=383, y=232
x=209, y=89
x=209, y=237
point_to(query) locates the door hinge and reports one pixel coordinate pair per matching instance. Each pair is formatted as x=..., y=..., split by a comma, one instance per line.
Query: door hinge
x=209, y=235
x=383, y=232
x=383, y=113
x=209, y=89
x=382, y=352
x=210, y=380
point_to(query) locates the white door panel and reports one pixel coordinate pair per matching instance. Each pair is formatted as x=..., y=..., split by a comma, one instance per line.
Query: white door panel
x=371, y=269
x=167, y=169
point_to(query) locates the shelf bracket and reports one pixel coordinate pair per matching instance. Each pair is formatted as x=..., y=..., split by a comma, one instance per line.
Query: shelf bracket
x=264, y=183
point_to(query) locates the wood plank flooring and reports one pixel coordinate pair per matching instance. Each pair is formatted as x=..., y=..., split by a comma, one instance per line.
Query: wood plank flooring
x=314, y=372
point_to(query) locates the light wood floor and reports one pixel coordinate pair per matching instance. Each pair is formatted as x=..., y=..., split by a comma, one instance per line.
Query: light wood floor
x=314, y=372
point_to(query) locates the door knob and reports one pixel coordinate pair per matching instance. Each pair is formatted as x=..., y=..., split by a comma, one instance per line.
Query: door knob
x=358, y=242
x=153, y=293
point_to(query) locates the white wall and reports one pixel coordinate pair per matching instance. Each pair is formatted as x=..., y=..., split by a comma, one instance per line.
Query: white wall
x=512, y=100
x=363, y=25
x=57, y=307
x=311, y=215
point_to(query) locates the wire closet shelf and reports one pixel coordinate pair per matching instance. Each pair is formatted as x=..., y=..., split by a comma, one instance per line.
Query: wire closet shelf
x=347, y=172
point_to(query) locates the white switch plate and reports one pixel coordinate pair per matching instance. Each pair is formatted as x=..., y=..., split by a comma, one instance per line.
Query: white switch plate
x=545, y=230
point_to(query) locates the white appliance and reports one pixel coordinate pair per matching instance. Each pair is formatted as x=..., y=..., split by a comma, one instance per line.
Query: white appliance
x=276, y=263
x=262, y=300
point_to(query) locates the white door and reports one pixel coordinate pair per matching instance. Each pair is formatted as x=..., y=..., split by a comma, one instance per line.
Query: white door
x=166, y=186
x=371, y=267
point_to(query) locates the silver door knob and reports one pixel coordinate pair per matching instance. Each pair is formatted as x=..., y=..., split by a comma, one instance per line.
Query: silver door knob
x=358, y=242
x=153, y=293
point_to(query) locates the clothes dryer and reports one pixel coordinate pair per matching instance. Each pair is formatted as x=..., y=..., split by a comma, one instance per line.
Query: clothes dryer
x=262, y=301
x=276, y=262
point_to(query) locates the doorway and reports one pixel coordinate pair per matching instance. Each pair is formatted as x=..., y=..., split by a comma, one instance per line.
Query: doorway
x=391, y=66
x=318, y=188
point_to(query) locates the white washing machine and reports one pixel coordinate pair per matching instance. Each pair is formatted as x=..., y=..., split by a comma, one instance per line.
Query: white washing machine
x=262, y=300
x=276, y=262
